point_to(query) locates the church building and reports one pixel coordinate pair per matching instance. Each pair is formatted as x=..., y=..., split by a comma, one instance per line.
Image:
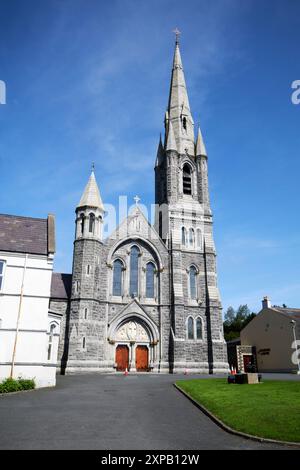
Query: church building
x=146, y=298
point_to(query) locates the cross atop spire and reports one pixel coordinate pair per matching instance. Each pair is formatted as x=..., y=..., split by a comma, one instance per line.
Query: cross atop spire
x=177, y=34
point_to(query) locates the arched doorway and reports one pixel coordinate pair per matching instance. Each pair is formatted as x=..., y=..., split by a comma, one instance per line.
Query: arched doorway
x=132, y=346
x=122, y=357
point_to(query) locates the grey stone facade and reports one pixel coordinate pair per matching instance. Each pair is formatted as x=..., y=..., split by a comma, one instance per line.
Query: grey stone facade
x=181, y=324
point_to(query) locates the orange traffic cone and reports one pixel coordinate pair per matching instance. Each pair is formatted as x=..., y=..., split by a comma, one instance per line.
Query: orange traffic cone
x=126, y=371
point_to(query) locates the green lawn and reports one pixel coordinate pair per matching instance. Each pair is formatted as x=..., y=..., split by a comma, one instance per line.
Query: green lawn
x=270, y=409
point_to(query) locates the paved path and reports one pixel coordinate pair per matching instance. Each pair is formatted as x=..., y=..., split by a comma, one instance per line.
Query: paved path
x=111, y=412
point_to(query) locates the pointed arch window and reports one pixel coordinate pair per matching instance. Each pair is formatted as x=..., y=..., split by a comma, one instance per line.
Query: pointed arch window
x=92, y=223
x=150, y=272
x=134, y=271
x=81, y=223
x=191, y=238
x=184, y=123
x=183, y=236
x=117, y=277
x=199, y=238
x=190, y=328
x=199, y=333
x=187, y=179
x=192, y=276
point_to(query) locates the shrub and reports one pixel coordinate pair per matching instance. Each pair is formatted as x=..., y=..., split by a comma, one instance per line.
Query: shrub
x=11, y=385
x=26, y=384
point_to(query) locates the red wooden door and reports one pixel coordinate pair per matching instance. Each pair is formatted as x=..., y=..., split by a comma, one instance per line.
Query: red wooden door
x=141, y=354
x=122, y=357
x=248, y=359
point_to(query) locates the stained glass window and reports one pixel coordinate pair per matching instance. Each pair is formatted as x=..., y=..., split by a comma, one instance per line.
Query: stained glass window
x=117, y=277
x=193, y=274
x=199, y=328
x=134, y=271
x=190, y=327
x=150, y=280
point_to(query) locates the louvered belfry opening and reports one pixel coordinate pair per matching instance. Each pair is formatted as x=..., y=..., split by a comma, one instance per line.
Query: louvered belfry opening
x=187, y=180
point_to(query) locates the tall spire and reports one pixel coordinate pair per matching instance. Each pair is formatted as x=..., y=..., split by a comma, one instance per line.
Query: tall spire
x=179, y=112
x=171, y=141
x=200, y=146
x=91, y=194
x=160, y=153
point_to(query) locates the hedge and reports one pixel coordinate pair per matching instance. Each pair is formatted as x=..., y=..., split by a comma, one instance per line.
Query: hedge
x=12, y=385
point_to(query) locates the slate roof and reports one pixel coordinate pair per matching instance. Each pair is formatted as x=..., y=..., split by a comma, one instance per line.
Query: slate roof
x=91, y=195
x=293, y=313
x=27, y=234
x=61, y=286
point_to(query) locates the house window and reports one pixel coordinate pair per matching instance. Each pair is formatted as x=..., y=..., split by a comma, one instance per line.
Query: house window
x=1, y=273
x=191, y=237
x=117, y=277
x=50, y=343
x=190, y=328
x=184, y=123
x=150, y=269
x=92, y=223
x=85, y=313
x=192, y=276
x=88, y=269
x=134, y=271
x=183, y=236
x=187, y=179
x=76, y=287
x=83, y=343
x=199, y=328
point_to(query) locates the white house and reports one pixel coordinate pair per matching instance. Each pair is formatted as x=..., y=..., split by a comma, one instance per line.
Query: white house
x=29, y=333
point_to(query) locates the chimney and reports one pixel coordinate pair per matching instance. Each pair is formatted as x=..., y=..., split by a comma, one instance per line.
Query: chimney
x=266, y=303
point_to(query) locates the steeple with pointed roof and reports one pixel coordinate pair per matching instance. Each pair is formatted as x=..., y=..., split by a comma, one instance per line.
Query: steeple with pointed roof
x=200, y=146
x=91, y=194
x=179, y=113
x=90, y=211
x=160, y=153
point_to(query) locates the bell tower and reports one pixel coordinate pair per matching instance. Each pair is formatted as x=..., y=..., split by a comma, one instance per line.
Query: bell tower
x=87, y=320
x=183, y=219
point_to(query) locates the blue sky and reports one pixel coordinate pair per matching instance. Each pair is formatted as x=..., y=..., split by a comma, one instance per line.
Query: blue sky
x=88, y=80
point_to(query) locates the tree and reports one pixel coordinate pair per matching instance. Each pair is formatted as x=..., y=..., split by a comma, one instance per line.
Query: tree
x=229, y=315
x=236, y=320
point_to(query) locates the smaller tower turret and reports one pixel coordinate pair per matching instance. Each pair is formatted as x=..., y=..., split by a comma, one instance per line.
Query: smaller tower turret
x=90, y=212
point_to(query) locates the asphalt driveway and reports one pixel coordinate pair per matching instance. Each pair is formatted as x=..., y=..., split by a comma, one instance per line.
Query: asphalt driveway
x=111, y=412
